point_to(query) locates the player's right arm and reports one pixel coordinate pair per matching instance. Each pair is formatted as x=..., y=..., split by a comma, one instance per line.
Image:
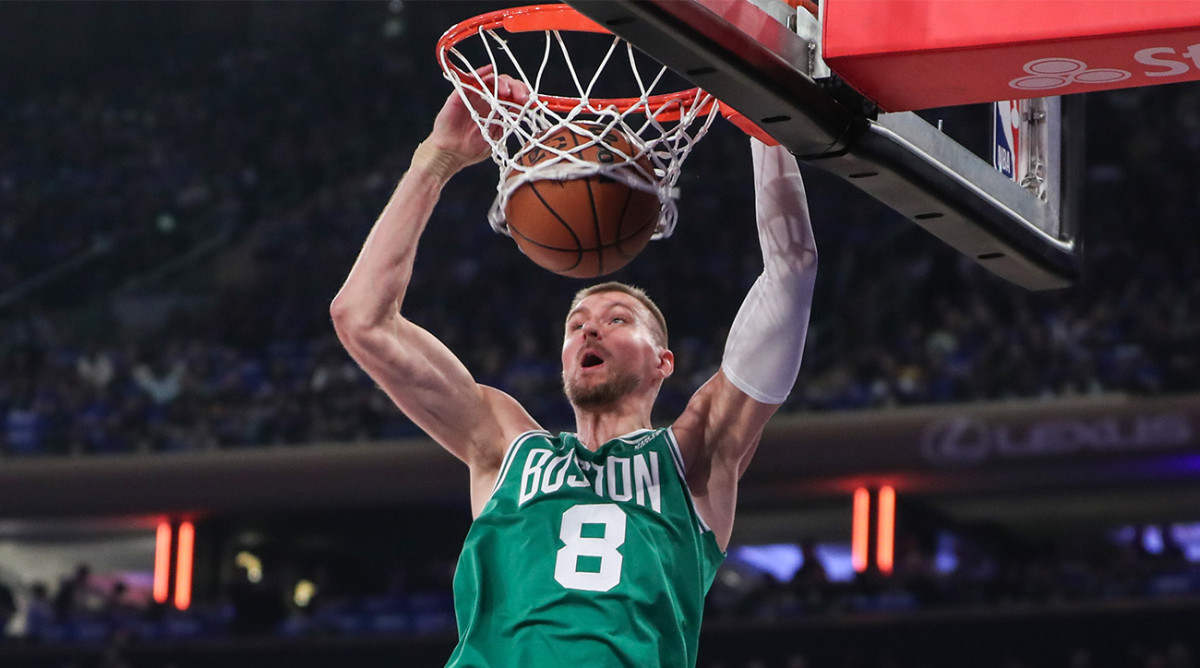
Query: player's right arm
x=420, y=374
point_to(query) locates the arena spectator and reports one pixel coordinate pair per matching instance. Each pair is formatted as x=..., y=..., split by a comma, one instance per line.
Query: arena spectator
x=8, y=608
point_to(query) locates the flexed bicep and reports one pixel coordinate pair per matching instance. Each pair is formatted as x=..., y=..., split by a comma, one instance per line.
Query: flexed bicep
x=436, y=391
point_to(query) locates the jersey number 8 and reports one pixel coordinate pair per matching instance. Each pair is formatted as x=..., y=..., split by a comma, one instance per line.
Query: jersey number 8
x=589, y=559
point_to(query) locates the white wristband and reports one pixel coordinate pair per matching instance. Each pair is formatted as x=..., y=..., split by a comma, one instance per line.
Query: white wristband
x=766, y=341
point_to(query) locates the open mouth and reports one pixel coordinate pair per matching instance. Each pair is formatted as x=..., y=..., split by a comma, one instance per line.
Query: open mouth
x=590, y=360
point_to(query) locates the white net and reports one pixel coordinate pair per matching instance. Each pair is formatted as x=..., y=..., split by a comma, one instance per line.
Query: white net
x=661, y=127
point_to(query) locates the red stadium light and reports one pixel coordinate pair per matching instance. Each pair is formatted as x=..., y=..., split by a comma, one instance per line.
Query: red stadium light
x=861, y=529
x=162, y=562
x=183, y=566
x=885, y=552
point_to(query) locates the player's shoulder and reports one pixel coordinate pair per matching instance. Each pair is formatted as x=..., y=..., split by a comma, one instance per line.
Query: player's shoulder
x=687, y=433
x=691, y=423
x=506, y=408
x=512, y=421
x=720, y=420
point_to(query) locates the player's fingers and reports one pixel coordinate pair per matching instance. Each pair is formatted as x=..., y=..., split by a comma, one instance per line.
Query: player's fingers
x=514, y=90
x=502, y=86
x=485, y=77
x=520, y=92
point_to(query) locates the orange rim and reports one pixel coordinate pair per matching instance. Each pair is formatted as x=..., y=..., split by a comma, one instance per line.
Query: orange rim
x=556, y=17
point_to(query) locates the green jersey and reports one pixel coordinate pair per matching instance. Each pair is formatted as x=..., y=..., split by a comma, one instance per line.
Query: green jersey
x=584, y=558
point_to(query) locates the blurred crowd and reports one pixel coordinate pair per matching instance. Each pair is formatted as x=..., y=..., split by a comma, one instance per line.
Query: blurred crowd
x=204, y=206
x=1170, y=654
x=974, y=576
x=1005, y=590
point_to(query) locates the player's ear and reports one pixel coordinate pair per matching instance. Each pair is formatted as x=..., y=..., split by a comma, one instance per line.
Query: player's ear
x=666, y=363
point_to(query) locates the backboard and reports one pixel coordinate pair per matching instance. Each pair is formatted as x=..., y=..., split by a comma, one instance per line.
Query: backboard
x=767, y=64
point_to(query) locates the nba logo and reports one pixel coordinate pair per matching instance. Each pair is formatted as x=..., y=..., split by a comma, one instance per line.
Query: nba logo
x=1006, y=138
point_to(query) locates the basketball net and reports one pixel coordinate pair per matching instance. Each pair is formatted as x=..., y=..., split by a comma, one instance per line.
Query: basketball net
x=662, y=127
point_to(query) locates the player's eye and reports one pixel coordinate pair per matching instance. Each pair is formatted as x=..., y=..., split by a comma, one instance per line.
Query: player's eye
x=618, y=320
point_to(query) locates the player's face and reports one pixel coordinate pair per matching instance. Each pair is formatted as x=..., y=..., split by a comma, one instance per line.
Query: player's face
x=609, y=350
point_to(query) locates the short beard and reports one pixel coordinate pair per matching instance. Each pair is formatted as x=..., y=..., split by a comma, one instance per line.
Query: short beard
x=604, y=394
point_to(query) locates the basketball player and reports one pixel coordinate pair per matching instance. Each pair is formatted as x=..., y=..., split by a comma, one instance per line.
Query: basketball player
x=593, y=548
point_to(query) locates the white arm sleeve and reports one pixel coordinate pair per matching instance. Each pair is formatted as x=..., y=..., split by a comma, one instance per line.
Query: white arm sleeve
x=766, y=341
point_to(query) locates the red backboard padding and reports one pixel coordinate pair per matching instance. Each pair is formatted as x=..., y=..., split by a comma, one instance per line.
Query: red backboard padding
x=918, y=54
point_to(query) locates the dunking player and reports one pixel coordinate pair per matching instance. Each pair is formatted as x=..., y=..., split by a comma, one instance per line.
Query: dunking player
x=594, y=548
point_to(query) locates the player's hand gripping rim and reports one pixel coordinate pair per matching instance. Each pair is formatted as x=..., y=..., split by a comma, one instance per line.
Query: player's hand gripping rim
x=456, y=141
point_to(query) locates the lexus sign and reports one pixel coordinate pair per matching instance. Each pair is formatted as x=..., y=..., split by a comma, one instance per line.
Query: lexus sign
x=968, y=441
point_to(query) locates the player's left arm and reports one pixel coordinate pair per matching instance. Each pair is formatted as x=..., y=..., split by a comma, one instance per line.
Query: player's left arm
x=721, y=427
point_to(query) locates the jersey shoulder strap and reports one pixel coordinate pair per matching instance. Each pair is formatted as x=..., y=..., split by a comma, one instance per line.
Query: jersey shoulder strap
x=535, y=435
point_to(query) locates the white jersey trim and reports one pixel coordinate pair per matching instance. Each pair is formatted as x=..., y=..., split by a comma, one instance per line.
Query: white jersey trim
x=510, y=454
x=634, y=435
x=677, y=455
x=629, y=439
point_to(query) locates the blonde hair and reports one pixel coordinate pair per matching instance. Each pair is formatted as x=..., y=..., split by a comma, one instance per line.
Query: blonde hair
x=633, y=291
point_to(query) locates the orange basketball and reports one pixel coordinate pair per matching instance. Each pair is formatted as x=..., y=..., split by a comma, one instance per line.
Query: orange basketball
x=584, y=227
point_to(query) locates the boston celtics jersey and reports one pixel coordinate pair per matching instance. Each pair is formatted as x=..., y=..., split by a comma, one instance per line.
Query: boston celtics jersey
x=584, y=558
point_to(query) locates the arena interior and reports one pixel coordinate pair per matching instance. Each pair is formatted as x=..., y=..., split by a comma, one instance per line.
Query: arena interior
x=183, y=187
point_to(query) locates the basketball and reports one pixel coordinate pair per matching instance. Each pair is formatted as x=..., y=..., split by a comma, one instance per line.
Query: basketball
x=583, y=227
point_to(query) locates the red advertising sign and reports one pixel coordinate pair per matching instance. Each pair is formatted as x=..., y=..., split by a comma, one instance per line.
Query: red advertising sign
x=919, y=54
